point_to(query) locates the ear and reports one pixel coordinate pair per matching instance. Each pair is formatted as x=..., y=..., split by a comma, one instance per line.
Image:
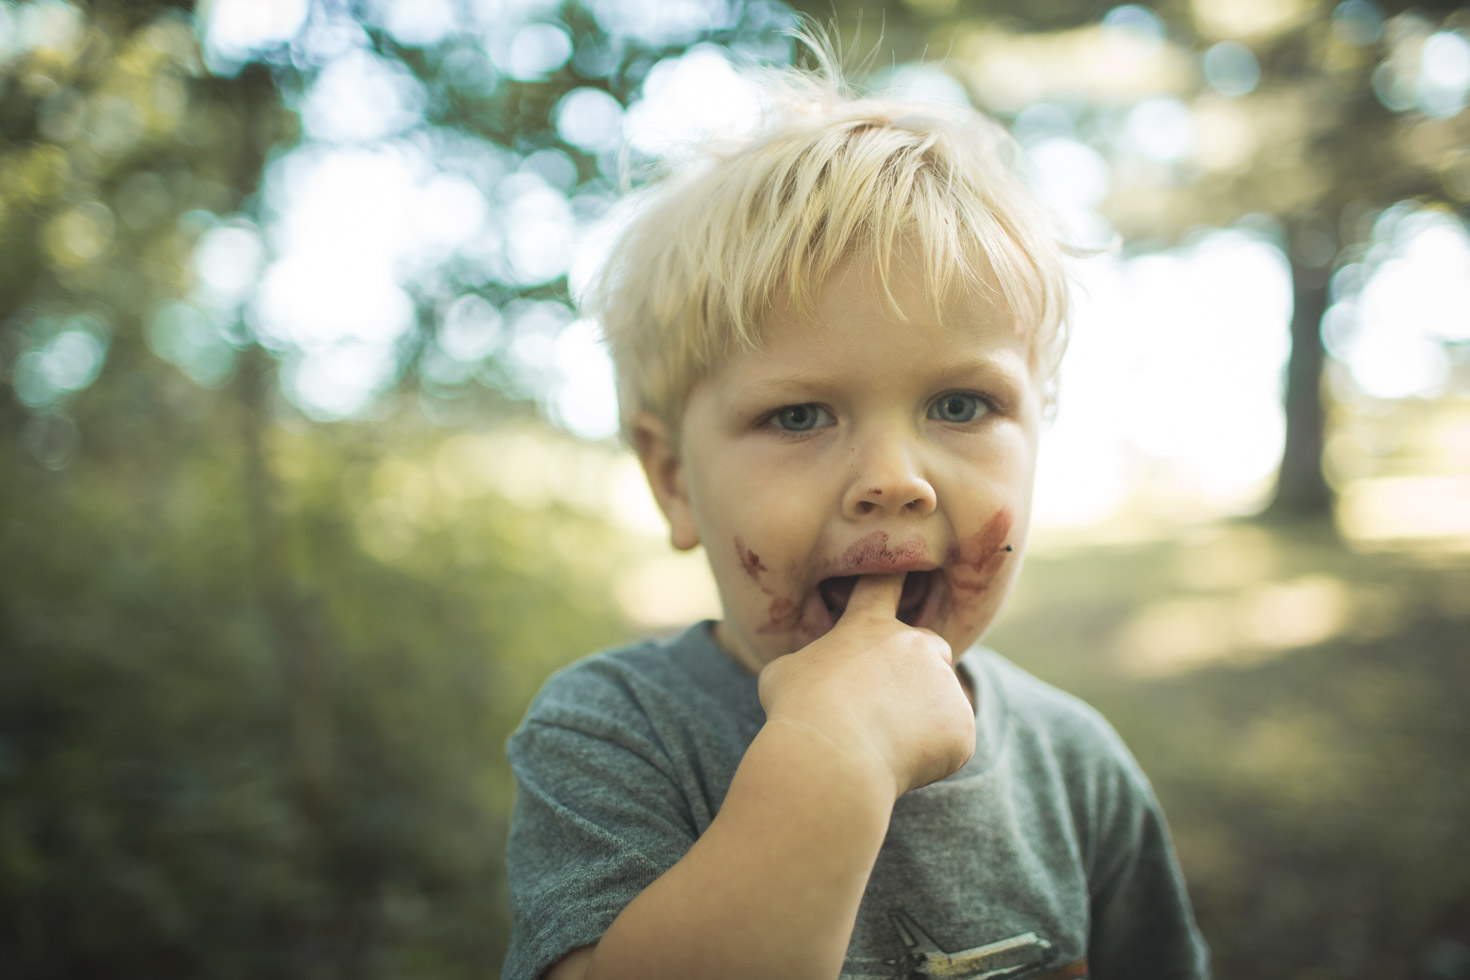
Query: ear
x=664, y=468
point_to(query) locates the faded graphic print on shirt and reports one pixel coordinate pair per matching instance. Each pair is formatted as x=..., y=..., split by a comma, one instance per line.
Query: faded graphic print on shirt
x=1027, y=956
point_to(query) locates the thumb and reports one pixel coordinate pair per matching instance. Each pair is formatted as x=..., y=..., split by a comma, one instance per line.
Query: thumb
x=875, y=596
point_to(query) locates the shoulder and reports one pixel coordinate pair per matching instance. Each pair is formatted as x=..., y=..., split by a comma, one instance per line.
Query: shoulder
x=1062, y=745
x=1041, y=713
x=683, y=669
x=648, y=697
x=1142, y=923
x=608, y=680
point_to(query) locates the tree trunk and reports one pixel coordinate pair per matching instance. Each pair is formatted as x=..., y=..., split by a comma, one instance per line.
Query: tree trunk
x=1301, y=485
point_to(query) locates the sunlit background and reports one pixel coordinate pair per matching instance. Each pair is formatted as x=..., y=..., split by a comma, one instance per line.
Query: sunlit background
x=292, y=364
x=1172, y=393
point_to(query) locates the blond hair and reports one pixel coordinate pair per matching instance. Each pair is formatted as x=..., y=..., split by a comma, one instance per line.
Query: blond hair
x=828, y=174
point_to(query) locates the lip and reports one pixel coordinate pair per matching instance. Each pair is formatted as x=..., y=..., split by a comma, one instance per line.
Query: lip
x=872, y=555
x=828, y=602
x=881, y=567
x=828, y=607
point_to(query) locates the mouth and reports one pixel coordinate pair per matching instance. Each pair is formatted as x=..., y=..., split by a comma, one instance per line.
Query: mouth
x=836, y=592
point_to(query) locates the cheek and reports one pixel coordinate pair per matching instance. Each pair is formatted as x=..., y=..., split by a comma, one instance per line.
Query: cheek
x=976, y=566
x=979, y=557
x=749, y=561
x=774, y=610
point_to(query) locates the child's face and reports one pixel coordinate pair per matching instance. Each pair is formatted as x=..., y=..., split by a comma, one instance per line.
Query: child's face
x=856, y=443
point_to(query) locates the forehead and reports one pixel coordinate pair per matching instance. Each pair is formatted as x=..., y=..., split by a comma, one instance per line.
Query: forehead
x=870, y=326
x=866, y=294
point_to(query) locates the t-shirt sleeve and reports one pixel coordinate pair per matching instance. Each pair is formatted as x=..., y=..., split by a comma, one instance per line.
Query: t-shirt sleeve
x=598, y=816
x=1142, y=925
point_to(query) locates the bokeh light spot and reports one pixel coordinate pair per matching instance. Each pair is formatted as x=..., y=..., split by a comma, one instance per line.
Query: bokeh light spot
x=534, y=51
x=662, y=22
x=471, y=328
x=228, y=260
x=449, y=212
x=1393, y=315
x=924, y=83
x=419, y=24
x=185, y=337
x=339, y=381
x=1394, y=91
x=1388, y=366
x=1357, y=22
x=1042, y=121
x=1160, y=129
x=589, y=119
x=341, y=266
x=1069, y=174
x=531, y=356
x=67, y=362
x=80, y=234
x=1136, y=21
x=539, y=229
x=1231, y=68
x=688, y=100
x=585, y=400
x=1443, y=87
x=360, y=97
x=553, y=166
x=41, y=25
x=234, y=30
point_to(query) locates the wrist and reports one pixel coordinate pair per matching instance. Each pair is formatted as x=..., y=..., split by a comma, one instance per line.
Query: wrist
x=850, y=766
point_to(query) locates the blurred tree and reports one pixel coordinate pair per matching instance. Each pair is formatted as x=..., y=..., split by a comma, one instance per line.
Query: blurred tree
x=1318, y=114
x=1329, y=139
x=254, y=696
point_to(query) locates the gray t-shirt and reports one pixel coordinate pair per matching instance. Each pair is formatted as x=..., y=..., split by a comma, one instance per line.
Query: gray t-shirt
x=1046, y=856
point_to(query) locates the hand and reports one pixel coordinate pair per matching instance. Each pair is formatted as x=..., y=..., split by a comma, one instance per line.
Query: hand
x=882, y=693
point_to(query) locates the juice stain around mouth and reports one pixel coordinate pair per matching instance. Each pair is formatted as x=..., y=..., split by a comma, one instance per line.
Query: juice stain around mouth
x=872, y=549
x=976, y=561
x=971, y=566
x=784, y=614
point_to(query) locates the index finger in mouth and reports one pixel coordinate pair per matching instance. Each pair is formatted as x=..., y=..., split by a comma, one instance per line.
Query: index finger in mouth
x=876, y=595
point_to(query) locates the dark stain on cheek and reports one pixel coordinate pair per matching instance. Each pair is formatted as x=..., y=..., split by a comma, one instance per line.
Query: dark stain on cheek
x=785, y=616
x=749, y=560
x=976, y=561
x=784, y=613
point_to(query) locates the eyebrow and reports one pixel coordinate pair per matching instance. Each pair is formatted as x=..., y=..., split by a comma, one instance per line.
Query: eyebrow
x=1007, y=365
x=805, y=382
x=1004, y=366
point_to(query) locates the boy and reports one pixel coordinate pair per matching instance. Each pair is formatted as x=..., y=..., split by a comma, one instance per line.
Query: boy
x=835, y=345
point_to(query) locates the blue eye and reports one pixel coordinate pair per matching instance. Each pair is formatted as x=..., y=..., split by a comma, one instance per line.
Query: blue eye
x=801, y=418
x=958, y=407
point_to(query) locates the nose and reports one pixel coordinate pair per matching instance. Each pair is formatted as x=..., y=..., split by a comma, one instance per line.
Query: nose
x=888, y=479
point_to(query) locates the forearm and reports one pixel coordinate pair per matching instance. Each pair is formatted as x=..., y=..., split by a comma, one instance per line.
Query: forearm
x=772, y=888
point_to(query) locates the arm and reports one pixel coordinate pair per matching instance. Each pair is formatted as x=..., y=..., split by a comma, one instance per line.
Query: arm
x=772, y=888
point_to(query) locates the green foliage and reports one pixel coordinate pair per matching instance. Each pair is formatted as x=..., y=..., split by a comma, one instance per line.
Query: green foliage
x=233, y=742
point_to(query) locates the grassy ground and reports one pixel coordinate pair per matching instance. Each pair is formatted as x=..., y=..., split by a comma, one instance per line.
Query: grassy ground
x=1301, y=709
